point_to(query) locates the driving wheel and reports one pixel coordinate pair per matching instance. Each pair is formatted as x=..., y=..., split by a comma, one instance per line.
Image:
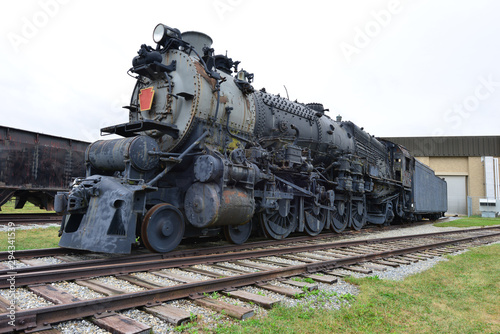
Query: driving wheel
x=339, y=218
x=278, y=224
x=358, y=213
x=315, y=217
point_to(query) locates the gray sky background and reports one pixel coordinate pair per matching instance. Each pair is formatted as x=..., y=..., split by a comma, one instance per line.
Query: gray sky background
x=396, y=68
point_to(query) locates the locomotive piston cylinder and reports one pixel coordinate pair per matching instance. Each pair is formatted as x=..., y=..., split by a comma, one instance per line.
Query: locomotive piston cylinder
x=206, y=206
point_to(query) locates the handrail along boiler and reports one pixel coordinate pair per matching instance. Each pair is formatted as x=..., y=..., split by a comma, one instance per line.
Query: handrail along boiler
x=204, y=152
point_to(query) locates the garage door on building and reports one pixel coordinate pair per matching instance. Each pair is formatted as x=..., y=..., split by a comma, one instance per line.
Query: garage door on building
x=457, y=194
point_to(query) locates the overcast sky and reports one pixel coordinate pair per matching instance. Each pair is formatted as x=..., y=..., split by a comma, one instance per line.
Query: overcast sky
x=396, y=68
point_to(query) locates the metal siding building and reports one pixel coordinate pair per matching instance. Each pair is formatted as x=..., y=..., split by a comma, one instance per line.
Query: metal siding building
x=460, y=161
x=450, y=146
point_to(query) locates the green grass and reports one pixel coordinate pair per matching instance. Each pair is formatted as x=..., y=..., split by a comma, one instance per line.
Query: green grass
x=461, y=295
x=30, y=239
x=28, y=208
x=470, y=222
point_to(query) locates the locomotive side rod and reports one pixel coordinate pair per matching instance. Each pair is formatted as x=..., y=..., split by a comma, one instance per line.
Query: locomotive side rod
x=302, y=190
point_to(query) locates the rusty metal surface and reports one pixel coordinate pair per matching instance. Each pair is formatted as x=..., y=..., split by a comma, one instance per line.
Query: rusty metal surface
x=205, y=208
x=178, y=253
x=77, y=271
x=29, y=218
x=37, y=163
x=38, y=253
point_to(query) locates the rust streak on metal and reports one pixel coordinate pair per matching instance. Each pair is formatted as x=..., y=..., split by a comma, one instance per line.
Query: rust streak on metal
x=201, y=71
x=223, y=99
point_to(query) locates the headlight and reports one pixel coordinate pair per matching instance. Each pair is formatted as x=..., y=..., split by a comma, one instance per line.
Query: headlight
x=158, y=33
x=162, y=32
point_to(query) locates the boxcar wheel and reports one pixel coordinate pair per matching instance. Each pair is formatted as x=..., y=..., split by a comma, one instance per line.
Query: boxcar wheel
x=162, y=228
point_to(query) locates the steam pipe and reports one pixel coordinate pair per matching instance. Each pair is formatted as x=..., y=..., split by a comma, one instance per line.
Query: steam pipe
x=178, y=159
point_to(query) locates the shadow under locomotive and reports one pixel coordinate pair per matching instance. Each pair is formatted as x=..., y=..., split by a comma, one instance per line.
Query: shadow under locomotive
x=203, y=152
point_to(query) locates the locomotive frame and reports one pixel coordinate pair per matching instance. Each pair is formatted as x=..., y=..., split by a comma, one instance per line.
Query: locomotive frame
x=204, y=152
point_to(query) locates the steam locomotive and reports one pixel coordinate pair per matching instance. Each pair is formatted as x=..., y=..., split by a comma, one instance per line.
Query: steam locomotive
x=205, y=153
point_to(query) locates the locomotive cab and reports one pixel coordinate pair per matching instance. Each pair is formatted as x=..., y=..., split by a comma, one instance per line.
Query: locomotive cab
x=403, y=165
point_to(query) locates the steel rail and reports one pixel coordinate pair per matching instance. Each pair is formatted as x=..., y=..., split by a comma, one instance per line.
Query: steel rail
x=189, y=252
x=29, y=253
x=41, y=318
x=51, y=273
x=29, y=218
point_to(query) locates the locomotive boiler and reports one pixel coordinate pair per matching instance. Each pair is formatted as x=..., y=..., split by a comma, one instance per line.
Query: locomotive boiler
x=205, y=153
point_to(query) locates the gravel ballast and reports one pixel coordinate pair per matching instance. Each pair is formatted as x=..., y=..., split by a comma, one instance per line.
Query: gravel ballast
x=4, y=228
x=327, y=297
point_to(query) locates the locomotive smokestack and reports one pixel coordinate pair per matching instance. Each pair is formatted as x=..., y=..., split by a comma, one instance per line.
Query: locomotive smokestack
x=339, y=118
x=197, y=39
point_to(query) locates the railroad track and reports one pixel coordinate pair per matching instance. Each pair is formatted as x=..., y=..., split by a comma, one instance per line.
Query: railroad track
x=29, y=218
x=201, y=248
x=228, y=270
x=71, y=267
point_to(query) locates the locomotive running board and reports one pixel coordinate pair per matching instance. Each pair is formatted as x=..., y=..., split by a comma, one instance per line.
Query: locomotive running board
x=134, y=128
